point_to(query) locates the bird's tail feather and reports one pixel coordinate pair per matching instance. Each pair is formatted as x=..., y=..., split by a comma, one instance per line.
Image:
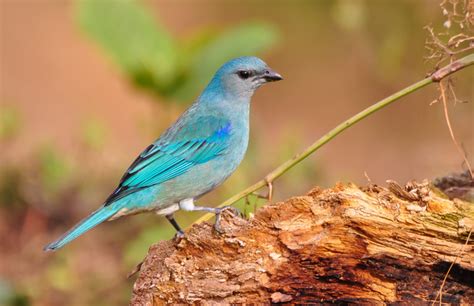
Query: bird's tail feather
x=97, y=217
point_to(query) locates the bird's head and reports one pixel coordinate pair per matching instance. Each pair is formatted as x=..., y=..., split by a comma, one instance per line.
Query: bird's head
x=241, y=76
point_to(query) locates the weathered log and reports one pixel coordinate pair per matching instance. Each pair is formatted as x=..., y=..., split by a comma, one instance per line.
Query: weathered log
x=347, y=244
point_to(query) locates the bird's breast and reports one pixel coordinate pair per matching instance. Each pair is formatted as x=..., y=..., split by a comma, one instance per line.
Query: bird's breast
x=206, y=176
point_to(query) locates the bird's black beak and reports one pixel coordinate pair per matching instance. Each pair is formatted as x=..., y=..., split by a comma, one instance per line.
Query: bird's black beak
x=271, y=76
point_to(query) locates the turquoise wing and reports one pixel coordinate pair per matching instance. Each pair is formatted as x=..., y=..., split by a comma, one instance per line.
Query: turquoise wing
x=165, y=160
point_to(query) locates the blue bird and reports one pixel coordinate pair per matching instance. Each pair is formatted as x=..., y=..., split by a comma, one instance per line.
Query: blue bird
x=192, y=157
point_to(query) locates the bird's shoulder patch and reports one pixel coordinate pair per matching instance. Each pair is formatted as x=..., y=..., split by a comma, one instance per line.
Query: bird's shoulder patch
x=225, y=130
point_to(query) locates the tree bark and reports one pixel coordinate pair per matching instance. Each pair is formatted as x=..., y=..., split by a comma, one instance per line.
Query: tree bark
x=346, y=244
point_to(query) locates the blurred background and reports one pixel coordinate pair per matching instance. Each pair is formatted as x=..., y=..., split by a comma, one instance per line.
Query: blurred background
x=86, y=85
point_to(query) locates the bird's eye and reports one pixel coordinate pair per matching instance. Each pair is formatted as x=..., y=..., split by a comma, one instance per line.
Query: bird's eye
x=244, y=74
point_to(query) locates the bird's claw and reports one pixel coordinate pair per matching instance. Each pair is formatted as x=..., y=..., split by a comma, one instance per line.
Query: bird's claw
x=178, y=236
x=217, y=224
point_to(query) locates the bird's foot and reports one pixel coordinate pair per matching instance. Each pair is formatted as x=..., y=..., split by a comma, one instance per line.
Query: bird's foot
x=218, y=212
x=178, y=236
x=179, y=232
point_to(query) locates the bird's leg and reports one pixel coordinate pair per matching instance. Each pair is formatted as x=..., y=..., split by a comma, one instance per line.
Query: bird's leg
x=188, y=204
x=179, y=231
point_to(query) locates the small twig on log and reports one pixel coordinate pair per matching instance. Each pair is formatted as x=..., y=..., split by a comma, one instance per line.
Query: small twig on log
x=461, y=252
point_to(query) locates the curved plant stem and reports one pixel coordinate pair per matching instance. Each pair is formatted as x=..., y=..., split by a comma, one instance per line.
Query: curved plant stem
x=437, y=76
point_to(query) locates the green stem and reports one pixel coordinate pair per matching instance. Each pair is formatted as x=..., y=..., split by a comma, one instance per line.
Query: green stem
x=437, y=76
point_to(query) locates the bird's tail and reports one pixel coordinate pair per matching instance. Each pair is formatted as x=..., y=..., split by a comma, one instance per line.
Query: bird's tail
x=97, y=217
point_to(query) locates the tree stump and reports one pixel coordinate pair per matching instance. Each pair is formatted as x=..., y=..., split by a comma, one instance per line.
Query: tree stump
x=346, y=244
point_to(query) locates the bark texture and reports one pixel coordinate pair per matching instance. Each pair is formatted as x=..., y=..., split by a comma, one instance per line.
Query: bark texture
x=346, y=244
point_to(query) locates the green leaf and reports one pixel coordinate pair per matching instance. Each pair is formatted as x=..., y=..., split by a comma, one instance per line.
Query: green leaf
x=10, y=122
x=246, y=39
x=133, y=37
x=152, y=59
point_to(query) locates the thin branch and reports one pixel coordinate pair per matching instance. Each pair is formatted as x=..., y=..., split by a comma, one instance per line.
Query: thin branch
x=437, y=76
x=440, y=74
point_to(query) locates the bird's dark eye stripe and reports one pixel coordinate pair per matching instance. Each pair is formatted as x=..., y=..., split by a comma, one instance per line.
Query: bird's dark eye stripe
x=244, y=74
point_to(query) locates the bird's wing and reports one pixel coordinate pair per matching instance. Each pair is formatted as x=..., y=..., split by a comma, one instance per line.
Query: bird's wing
x=197, y=143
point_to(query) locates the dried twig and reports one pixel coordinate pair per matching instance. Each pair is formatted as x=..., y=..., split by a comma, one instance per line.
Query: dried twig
x=461, y=252
x=459, y=13
x=450, y=128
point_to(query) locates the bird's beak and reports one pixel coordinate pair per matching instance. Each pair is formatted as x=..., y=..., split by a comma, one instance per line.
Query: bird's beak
x=271, y=76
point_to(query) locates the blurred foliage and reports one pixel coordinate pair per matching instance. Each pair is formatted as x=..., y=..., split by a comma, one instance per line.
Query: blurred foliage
x=153, y=59
x=303, y=175
x=350, y=15
x=137, y=247
x=10, y=122
x=141, y=46
x=48, y=190
x=59, y=273
x=93, y=133
x=53, y=168
x=9, y=297
x=394, y=42
x=10, y=187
